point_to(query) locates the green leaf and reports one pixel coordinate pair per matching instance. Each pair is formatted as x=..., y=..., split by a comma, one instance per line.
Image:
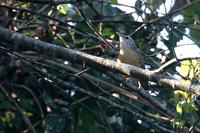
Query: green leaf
x=138, y=6
x=154, y=4
x=191, y=15
x=189, y=69
x=63, y=9
x=85, y=118
x=194, y=115
x=178, y=122
x=114, y=1
x=107, y=31
x=179, y=108
x=187, y=107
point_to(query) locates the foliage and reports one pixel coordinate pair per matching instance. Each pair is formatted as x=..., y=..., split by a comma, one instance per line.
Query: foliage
x=34, y=97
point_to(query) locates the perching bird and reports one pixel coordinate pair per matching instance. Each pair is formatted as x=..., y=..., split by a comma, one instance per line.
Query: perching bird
x=130, y=54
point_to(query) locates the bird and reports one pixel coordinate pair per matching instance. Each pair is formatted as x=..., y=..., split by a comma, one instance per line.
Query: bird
x=130, y=54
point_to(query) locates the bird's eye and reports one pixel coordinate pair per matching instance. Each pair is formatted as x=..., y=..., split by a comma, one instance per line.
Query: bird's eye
x=126, y=37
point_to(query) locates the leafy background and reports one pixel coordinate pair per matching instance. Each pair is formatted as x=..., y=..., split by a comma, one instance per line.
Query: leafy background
x=32, y=102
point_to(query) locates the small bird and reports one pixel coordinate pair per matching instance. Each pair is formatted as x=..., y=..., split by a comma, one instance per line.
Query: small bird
x=130, y=54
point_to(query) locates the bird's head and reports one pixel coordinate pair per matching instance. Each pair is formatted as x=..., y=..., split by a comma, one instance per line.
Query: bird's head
x=126, y=41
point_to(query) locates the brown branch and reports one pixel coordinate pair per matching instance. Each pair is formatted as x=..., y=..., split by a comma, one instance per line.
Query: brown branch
x=171, y=62
x=147, y=119
x=143, y=97
x=175, y=11
x=78, y=31
x=60, y=82
x=93, y=61
x=33, y=95
x=50, y=2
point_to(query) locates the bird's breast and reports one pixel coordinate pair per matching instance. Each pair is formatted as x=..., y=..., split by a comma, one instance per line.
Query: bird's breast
x=129, y=56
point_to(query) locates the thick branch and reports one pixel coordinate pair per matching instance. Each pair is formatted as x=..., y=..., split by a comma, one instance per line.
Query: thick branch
x=77, y=56
x=51, y=2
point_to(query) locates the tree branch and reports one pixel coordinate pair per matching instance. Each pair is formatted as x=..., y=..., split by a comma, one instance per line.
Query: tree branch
x=97, y=62
x=171, y=62
x=50, y=2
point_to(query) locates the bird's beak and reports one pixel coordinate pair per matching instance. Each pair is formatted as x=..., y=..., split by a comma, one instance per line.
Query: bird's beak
x=119, y=34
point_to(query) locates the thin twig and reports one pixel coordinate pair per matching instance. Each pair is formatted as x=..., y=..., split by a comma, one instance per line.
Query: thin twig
x=92, y=27
x=21, y=111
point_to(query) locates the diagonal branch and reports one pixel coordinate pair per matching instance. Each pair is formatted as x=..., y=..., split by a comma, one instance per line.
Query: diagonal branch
x=97, y=62
x=21, y=111
x=79, y=10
